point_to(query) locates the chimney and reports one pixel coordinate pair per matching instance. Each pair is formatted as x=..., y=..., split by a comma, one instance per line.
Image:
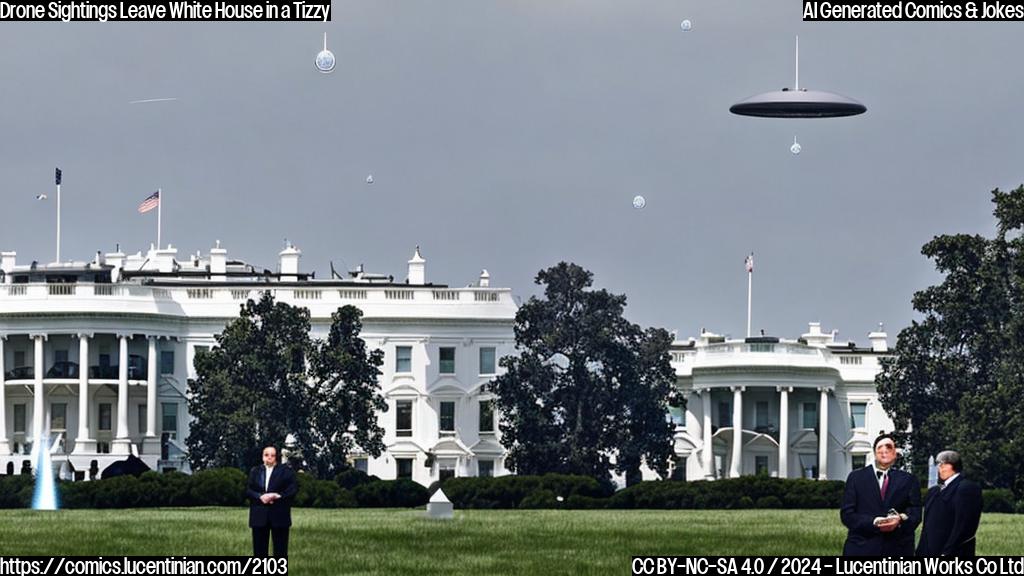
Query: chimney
x=165, y=258
x=7, y=260
x=485, y=279
x=115, y=259
x=417, y=269
x=815, y=337
x=290, y=263
x=878, y=339
x=218, y=263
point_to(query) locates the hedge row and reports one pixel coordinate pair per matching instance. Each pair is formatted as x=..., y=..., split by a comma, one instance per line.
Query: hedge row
x=220, y=487
x=226, y=487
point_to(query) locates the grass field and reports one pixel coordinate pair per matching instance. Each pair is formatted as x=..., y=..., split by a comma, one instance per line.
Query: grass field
x=361, y=541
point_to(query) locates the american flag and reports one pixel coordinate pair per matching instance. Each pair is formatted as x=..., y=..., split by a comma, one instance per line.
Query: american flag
x=149, y=203
x=750, y=262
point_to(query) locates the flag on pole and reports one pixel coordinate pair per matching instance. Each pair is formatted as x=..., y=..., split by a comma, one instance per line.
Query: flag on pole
x=149, y=203
x=750, y=262
x=56, y=176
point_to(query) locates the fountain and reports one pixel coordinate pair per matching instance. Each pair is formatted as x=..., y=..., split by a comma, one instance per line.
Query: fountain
x=45, y=495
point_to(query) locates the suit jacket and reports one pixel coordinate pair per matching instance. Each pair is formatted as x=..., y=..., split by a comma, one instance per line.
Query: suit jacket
x=277, y=514
x=951, y=519
x=862, y=503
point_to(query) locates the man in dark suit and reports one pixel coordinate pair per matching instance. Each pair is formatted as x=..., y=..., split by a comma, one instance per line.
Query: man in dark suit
x=952, y=511
x=271, y=489
x=881, y=506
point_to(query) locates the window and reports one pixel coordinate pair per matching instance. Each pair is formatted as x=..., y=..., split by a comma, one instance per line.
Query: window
x=445, y=469
x=60, y=356
x=167, y=361
x=19, y=358
x=19, y=418
x=859, y=461
x=485, y=468
x=810, y=415
x=761, y=414
x=676, y=415
x=104, y=360
x=447, y=417
x=362, y=465
x=761, y=465
x=809, y=465
x=487, y=361
x=104, y=420
x=404, y=468
x=403, y=418
x=486, y=416
x=724, y=414
x=403, y=359
x=143, y=428
x=447, y=365
x=169, y=419
x=858, y=414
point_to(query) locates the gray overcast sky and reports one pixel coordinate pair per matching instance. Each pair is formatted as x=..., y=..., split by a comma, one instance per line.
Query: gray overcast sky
x=511, y=135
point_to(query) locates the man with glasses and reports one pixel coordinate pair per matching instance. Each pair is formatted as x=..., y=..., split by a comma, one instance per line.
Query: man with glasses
x=952, y=511
x=881, y=506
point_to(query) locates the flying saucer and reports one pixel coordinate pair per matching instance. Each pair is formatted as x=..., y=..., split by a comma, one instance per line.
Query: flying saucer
x=798, y=102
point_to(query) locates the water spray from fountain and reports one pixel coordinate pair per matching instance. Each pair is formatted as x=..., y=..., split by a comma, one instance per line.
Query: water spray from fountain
x=45, y=495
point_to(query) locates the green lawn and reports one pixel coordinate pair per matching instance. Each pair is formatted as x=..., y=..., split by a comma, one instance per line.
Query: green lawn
x=360, y=541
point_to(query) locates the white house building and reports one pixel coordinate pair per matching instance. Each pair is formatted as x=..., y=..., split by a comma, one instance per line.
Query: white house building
x=98, y=355
x=787, y=408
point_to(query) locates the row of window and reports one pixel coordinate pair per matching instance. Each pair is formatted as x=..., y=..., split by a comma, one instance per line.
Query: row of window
x=59, y=414
x=446, y=417
x=403, y=468
x=762, y=418
x=166, y=363
x=446, y=360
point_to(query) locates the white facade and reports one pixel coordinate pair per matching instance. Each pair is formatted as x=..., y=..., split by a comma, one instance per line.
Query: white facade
x=136, y=323
x=758, y=405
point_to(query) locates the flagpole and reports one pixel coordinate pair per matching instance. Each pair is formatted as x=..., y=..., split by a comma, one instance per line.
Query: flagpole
x=159, y=209
x=750, y=287
x=58, y=223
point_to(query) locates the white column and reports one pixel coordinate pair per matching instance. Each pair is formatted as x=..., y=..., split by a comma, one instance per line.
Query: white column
x=737, y=432
x=122, y=444
x=37, y=405
x=151, y=444
x=709, y=458
x=151, y=389
x=783, y=432
x=83, y=443
x=5, y=446
x=823, y=437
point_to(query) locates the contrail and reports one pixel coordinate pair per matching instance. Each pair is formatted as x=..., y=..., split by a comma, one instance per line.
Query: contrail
x=152, y=100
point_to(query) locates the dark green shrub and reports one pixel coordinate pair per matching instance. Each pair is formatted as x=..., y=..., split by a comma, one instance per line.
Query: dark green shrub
x=998, y=500
x=350, y=478
x=540, y=499
x=218, y=487
x=391, y=494
x=314, y=493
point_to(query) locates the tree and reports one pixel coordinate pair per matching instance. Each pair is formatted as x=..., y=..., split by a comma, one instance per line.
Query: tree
x=956, y=379
x=250, y=389
x=266, y=379
x=347, y=396
x=585, y=384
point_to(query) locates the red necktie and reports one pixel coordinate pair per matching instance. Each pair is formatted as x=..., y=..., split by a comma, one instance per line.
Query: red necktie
x=885, y=486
